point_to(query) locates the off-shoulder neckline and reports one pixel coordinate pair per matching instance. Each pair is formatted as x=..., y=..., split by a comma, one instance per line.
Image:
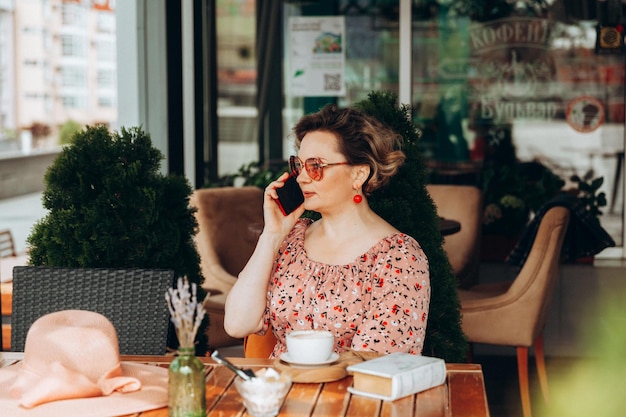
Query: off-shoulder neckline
x=386, y=240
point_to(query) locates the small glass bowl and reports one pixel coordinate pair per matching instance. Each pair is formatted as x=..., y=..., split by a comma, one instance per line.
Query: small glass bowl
x=264, y=395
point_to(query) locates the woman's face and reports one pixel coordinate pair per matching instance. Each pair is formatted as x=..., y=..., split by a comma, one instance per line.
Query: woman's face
x=335, y=187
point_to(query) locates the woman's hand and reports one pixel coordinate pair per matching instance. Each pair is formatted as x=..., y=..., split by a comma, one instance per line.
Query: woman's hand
x=275, y=221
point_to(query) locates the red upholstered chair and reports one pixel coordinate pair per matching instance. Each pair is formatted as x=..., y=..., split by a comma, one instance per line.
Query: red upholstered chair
x=514, y=313
x=255, y=346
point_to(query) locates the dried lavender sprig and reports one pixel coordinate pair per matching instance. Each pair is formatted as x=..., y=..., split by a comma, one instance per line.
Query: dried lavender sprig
x=183, y=306
x=182, y=310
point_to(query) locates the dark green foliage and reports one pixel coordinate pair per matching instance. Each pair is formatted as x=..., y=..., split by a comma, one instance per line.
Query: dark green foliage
x=512, y=190
x=587, y=192
x=253, y=174
x=481, y=10
x=406, y=204
x=109, y=206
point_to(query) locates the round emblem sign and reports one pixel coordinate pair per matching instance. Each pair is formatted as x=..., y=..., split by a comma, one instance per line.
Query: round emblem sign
x=585, y=114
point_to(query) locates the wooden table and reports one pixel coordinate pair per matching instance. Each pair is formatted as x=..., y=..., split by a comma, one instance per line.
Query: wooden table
x=463, y=394
x=6, y=309
x=6, y=294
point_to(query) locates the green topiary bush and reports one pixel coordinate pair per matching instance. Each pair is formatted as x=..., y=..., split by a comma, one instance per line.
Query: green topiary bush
x=109, y=206
x=406, y=204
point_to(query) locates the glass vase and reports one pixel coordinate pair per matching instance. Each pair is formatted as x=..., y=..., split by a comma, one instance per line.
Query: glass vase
x=186, y=386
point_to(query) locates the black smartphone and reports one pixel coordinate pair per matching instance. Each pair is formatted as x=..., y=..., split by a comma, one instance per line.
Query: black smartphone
x=289, y=196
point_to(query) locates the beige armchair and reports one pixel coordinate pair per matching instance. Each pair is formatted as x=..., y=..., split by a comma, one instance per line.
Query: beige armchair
x=514, y=313
x=462, y=203
x=227, y=218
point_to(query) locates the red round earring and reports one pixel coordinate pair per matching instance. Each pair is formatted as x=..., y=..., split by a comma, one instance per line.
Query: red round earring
x=357, y=198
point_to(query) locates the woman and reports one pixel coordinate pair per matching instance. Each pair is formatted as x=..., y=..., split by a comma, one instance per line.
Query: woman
x=350, y=272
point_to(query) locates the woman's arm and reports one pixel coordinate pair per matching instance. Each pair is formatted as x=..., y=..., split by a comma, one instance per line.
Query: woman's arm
x=245, y=304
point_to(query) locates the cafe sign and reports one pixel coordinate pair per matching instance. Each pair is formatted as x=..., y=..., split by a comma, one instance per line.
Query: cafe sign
x=585, y=114
x=317, y=56
x=514, y=69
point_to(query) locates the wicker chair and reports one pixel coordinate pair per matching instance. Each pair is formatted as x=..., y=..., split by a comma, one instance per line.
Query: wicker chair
x=132, y=299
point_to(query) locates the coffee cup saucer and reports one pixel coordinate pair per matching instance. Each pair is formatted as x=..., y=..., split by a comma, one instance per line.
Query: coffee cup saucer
x=285, y=357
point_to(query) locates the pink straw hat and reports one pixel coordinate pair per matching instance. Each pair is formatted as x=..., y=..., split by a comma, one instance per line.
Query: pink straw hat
x=72, y=368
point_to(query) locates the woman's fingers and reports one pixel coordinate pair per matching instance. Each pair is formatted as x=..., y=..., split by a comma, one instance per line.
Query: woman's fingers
x=270, y=190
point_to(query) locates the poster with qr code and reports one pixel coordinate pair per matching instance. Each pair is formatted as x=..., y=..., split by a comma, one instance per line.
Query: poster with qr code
x=317, y=56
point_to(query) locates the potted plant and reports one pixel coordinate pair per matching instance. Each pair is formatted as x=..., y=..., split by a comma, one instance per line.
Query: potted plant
x=512, y=192
x=586, y=190
x=109, y=206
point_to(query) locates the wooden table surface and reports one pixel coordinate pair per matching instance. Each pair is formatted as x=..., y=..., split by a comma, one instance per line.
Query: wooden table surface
x=6, y=293
x=463, y=394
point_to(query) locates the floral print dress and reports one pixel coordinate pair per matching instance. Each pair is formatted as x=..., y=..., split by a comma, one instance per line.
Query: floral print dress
x=379, y=302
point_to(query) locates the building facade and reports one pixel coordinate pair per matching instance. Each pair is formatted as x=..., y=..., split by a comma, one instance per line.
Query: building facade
x=59, y=65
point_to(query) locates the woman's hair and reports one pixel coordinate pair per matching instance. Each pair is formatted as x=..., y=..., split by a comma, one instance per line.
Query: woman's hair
x=362, y=139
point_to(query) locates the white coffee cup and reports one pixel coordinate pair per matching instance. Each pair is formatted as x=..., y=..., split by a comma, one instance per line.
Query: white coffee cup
x=310, y=346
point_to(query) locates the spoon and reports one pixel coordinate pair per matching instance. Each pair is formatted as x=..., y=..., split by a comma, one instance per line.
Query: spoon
x=245, y=374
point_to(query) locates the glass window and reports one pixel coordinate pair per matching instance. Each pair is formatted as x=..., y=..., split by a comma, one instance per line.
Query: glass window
x=48, y=103
x=371, y=47
x=106, y=51
x=73, y=76
x=32, y=30
x=73, y=46
x=74, y=14
x=74, y=101
x=48, y=41
x=371, y=61
x=106, y=101
x=236, y=73
x=106, y=22
x=521, y=95
x=106, y=78
x=522, y=100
